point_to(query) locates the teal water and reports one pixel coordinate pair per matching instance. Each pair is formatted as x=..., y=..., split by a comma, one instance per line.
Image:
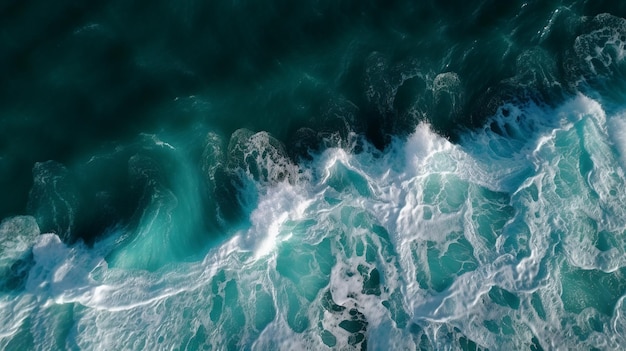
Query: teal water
x=234, y=175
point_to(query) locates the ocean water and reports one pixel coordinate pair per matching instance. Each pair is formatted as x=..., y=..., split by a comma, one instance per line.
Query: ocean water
x=311, y=175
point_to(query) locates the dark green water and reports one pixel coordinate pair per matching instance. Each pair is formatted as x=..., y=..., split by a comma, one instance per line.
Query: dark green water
x=313, y=174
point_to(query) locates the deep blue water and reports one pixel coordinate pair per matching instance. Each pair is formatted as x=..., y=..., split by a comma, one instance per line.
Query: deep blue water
x=279, y=175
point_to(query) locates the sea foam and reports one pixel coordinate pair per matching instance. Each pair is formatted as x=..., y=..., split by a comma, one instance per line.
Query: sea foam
x=501, y=240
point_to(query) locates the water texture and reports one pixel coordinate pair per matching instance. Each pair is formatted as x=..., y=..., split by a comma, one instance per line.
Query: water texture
x=279, y=175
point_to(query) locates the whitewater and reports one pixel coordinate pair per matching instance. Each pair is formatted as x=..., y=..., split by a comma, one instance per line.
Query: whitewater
x=327, y=176
x=511, y=239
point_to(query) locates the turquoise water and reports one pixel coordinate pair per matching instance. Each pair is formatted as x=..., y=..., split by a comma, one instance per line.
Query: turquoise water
x=233, y=175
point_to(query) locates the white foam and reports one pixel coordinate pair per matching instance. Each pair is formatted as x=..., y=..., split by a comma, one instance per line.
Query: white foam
x=280, y=204
x=447, y=228
x=604, y=45
x=17, y=235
